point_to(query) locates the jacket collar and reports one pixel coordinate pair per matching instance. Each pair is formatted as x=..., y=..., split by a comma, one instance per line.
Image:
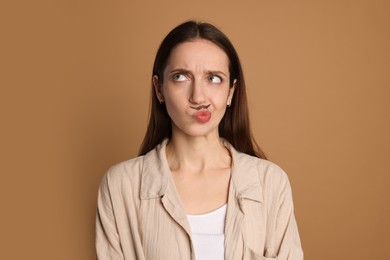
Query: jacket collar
x=156, y=178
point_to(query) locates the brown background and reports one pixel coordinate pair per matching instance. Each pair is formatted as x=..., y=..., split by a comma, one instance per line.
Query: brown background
x=75, y=84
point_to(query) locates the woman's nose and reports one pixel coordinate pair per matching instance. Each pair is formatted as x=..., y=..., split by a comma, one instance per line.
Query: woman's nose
x=197, y=95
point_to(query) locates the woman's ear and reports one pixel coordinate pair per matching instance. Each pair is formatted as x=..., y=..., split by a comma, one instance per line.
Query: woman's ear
x=231, y=93
x=157, y=89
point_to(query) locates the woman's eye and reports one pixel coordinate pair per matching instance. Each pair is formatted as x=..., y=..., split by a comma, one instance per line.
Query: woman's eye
x=179, y=77
x=215, y=79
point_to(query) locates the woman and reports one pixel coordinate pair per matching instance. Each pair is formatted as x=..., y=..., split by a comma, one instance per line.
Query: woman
x=201, y=187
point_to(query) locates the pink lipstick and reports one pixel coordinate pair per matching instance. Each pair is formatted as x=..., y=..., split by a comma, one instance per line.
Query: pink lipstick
x=202, y=116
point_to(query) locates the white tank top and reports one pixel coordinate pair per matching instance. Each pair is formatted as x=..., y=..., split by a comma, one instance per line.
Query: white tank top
x=208, y=234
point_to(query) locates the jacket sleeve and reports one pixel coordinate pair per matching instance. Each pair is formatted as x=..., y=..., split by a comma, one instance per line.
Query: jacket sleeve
x=108, y=245
x=284, y=241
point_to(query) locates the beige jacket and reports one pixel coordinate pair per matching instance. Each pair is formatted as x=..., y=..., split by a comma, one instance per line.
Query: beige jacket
x=140, y=215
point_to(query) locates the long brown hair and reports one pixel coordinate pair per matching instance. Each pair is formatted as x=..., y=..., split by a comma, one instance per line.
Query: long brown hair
x=234, y=126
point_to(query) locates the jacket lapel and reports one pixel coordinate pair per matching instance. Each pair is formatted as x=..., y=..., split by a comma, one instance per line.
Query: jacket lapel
x=157, y=182
x=244, y=185
x=233, y=226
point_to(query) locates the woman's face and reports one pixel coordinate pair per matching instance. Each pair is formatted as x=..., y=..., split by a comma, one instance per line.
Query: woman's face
x=196, y=87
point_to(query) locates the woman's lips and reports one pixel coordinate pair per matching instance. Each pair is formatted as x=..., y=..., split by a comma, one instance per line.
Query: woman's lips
x=202, y=116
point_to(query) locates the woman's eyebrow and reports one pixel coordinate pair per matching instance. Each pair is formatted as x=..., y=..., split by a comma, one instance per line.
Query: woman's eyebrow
x=185, y=71
x=216, y=72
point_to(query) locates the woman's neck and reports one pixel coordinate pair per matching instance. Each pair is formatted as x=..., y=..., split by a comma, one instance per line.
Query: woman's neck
x=197, y=154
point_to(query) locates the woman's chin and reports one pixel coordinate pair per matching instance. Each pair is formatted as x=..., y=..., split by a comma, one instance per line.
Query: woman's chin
x=199, y=132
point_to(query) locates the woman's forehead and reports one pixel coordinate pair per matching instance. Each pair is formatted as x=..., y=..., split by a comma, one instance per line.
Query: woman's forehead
x=198, y=54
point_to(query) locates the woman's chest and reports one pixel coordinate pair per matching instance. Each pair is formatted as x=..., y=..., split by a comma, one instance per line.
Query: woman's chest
x=166, y=234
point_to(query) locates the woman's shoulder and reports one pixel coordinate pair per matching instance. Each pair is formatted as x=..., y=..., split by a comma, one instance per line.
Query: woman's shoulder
x=258, y=179
x=134, y=169
x=126, y=170
x=266, y=170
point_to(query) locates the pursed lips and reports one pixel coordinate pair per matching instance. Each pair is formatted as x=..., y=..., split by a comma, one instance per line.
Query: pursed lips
x=202, y=115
